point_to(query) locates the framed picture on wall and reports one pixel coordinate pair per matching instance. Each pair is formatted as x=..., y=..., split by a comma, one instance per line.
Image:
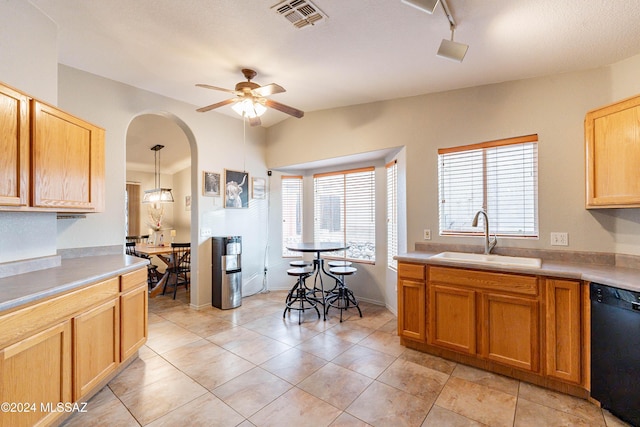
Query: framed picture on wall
x=210, y=184
x=258, y=188
x=236, y=189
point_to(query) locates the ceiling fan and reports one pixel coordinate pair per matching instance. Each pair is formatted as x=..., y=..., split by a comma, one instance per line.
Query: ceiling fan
x=250, y=100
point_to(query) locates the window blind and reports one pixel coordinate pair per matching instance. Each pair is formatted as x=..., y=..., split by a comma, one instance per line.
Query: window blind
x=291, y=213
x=344, y=211
x=498, y=176
x=392, y=213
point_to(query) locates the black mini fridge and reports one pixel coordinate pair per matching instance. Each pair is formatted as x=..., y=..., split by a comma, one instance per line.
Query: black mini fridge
x=226, y=291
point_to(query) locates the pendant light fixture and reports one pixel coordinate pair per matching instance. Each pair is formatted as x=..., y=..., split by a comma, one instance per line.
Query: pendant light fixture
x=158, y=194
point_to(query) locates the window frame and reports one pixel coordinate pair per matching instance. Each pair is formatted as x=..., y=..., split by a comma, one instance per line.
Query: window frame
x=486, y=194
x=299, y=213
x=391, y=170
x=344, y=213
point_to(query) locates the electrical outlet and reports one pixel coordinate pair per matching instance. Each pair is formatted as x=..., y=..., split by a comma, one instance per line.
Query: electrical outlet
x=427, y=234
x=205, y=232
x=559, y=239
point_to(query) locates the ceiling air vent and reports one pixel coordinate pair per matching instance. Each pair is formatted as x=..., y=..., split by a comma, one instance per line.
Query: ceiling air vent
x=299, y=12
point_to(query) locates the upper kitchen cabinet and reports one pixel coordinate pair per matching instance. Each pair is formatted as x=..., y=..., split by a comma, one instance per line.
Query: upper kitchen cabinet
x=612, y=137
x=14, y=146
x=67, y=161
x=49, y=159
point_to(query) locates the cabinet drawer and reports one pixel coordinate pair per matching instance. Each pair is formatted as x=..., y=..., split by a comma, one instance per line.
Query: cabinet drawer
x=133, y=279
x=411, y=271
x=28, y=320
x=512, y=283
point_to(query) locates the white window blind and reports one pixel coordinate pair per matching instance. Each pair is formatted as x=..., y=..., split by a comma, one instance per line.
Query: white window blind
x=344, y=211
x=291, y=213
x=392, y=213
x=498, y=176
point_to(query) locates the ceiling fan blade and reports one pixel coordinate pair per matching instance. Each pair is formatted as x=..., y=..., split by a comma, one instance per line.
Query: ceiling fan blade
x=284, y=108
x=215, y=88
x=255, y=121
x=217, y=104
x=269, y=89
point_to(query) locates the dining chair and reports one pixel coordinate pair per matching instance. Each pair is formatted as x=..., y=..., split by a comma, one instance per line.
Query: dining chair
x=152, y=269
x=130, y=248
x=138, y=239
x=180, y=267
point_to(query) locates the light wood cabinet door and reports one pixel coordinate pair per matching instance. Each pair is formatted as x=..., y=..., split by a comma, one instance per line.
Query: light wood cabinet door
x=96, y=346
x=412, y=303
x=612, y=145
x=563, y=318
x=412, y=306
x=452, y=318
x=67, y=161
x=133, y=320
x=510, y=331
x=36, y=370
x=14, y=148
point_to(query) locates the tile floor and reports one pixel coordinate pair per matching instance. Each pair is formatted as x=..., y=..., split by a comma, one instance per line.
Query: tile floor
x=249, y=367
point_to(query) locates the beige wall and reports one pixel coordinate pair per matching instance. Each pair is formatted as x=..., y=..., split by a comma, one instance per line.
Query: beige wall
x=216, y=143
x=28, y=48
x=552, y=107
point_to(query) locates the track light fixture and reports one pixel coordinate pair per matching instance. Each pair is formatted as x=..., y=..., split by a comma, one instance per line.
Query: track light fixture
x=448, y=48
x=424, y=5
x=452, y=50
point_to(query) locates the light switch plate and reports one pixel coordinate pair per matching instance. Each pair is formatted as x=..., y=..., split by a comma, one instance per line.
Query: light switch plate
x=427, y=234
x=205, y=232
x=559, y=239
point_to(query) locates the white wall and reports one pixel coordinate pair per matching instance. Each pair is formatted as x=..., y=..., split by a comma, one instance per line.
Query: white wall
x=28, y=48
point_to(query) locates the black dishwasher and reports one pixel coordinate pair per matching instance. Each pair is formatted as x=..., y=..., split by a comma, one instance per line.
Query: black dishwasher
x=615, y=351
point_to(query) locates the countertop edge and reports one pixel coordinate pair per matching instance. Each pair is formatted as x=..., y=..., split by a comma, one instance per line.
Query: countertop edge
x=620, y=277
x=73, y=273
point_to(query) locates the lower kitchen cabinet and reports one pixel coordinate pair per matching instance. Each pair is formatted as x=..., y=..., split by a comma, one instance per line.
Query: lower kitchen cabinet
x=96, y=349
x=133, y=320
x=62, y=349
x=494, y=316
x=36, y=372
x=510, y=332
x=563, y=330
x=412, y=301
x=452, y=318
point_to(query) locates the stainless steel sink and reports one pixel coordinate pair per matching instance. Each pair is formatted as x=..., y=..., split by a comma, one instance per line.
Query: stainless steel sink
x=482, y=259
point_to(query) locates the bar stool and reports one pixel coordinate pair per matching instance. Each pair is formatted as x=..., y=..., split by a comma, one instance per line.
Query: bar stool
x=298, y=294
x=341, y=296
x=337, y=263
x=300, y=263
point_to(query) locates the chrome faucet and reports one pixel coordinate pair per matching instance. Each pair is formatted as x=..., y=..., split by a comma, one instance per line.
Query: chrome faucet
x=488, y=243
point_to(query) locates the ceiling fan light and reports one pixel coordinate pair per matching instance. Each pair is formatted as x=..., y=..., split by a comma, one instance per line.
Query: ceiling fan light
x=248, y=108
x=424, y=5
x=452, y=50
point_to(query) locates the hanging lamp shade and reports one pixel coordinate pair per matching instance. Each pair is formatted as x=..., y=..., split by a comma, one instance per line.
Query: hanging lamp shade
x=157, y=194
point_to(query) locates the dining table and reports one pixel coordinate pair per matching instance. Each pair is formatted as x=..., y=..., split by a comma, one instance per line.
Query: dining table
x=163, y=252
x=318, y=265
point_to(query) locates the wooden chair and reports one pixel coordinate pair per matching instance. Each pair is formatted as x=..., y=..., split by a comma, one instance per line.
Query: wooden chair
x=152, y=270
x=138, y=239
x=180, y=267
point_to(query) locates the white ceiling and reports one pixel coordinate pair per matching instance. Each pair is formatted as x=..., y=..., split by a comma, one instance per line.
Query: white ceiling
x=364, y=51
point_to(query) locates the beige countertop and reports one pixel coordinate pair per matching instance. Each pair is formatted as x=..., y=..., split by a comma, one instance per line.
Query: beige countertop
x=619, y=277
x=72, y=273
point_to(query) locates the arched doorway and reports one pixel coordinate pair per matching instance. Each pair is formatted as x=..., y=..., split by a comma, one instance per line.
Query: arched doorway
x=173, y=170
